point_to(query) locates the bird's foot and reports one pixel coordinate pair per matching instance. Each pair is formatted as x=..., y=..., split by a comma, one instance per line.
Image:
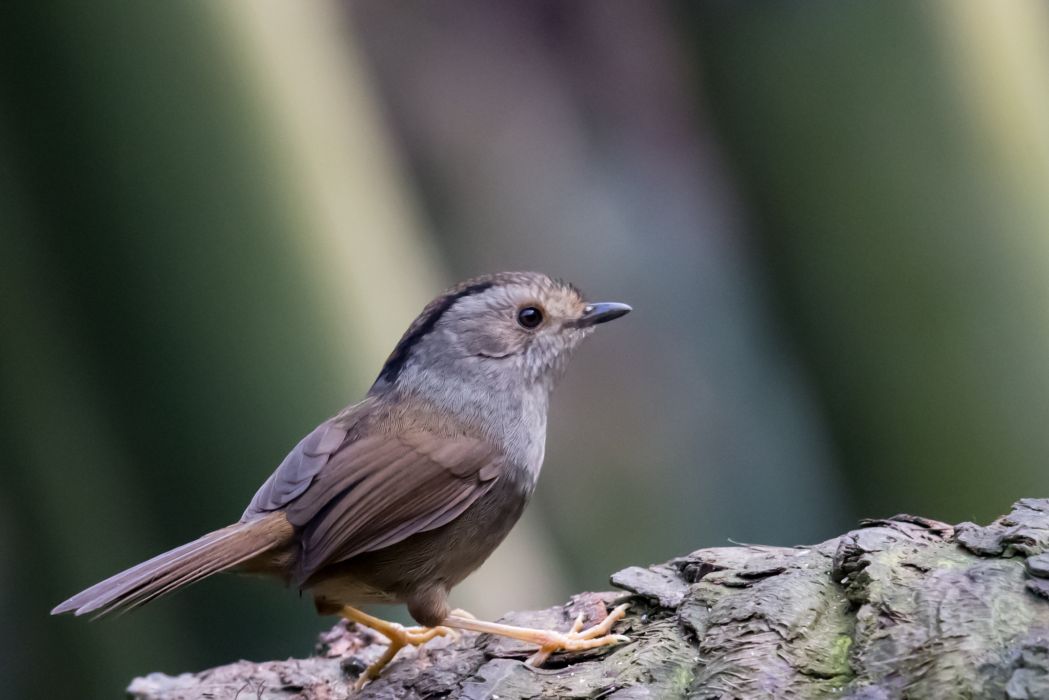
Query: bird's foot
x=399, y=636
x=576, y=639
x=579, y=639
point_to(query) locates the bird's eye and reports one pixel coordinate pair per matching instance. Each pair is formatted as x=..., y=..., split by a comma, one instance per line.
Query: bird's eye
x=529, y=317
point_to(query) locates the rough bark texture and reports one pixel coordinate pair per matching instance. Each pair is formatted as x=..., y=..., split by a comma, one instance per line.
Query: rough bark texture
x=899, y=608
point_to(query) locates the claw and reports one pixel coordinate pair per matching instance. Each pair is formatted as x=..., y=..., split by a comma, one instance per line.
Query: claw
x=578, y=639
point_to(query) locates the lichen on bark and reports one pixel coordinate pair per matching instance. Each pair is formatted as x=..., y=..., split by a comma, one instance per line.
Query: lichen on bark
x=904, y=607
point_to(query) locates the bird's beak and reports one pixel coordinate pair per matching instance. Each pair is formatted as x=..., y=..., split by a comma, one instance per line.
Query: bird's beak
x=602, y=312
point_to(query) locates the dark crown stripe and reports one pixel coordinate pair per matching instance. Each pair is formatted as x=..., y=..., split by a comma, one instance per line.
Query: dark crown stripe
x=421, y=327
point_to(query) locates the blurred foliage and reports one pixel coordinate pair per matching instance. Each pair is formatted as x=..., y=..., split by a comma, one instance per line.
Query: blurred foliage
x=898, y=172
x=161, y=350
x=216, y=218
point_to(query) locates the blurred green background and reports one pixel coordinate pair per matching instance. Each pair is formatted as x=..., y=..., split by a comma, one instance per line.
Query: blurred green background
x=217, y=218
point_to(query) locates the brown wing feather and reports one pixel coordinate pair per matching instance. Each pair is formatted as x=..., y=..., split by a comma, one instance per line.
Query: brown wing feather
x=382, y=489
x=298, y=469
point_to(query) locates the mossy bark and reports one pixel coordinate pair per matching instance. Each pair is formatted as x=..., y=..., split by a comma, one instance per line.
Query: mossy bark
x=900, y=608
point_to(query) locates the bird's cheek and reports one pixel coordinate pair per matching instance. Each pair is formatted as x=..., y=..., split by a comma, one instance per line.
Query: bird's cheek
x=487, y=345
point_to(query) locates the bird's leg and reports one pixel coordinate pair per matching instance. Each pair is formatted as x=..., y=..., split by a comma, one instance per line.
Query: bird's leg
x=398, y=635
x=576, y=639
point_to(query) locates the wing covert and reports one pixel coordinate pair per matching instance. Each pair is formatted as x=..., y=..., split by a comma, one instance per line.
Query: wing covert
x=384, y=488
x=298, y=470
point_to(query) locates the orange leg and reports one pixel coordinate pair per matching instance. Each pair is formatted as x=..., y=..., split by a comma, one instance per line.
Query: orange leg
x=548, y=641
x=398, y=635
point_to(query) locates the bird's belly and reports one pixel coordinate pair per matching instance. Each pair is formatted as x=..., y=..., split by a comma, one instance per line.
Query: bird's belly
x=439, y=558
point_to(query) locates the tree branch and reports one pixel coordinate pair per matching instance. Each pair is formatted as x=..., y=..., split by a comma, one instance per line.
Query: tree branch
x=903, y=607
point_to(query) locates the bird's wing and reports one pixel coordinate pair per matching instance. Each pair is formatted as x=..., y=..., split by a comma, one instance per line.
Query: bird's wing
x=380, y=489
x=297, y=471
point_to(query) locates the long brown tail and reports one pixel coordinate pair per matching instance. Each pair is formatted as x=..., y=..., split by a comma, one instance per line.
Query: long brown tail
x=214, y=552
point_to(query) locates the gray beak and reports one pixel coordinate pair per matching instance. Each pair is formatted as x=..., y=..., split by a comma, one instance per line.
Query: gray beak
x=602, y=312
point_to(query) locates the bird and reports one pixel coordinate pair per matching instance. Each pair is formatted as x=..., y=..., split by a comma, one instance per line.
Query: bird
x=399, y=497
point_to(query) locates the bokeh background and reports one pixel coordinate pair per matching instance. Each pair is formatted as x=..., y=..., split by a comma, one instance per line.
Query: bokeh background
x=217, y=218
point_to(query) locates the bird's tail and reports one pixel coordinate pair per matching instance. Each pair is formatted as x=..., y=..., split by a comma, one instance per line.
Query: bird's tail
x=214, y=552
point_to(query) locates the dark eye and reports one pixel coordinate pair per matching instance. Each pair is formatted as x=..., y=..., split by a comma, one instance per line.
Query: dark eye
x=529, y=317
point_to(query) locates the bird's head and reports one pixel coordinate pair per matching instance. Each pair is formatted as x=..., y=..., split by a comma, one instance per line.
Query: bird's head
x=498, y=332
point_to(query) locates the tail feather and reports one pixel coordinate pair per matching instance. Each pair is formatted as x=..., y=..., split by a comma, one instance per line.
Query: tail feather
x=216, y=551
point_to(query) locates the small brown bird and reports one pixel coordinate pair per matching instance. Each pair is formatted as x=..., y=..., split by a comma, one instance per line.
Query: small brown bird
x=398, y=498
